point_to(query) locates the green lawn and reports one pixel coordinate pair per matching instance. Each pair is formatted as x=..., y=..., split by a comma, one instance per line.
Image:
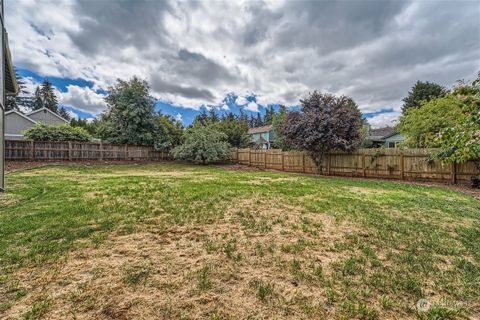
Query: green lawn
x=173, y=241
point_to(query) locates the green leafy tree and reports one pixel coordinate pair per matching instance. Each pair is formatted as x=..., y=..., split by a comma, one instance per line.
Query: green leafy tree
x=421, y=126
x=203, y=144
x=422, y=92
x=169, y=132
x=43, y=132
x=90, y=126
x=460, y=142
x=236, y=130
x=130, y=117
x=279, y=140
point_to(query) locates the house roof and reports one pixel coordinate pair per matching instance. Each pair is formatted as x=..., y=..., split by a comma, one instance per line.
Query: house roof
x=48, y=110
x=11, y=86
x=381, y=134
x=260, y=129
x=21, y=115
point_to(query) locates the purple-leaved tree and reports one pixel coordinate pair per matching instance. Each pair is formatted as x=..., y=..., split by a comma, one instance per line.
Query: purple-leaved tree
x=324, y=123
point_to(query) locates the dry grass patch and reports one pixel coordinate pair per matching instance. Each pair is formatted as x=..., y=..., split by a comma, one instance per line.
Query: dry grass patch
x=136, y=242
x=258, y=261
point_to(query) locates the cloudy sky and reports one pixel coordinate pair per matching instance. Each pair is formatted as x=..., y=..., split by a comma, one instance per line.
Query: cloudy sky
x=195, y=53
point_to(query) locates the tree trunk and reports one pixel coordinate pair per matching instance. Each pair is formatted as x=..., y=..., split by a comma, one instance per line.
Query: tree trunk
x=319, y=163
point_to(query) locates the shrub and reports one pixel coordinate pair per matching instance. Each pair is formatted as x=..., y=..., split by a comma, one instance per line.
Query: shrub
x=203, y=144
x=43, y=132
x=460, y=142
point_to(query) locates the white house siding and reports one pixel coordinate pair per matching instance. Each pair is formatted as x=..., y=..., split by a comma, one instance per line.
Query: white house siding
x=46, y=117
x=15, y=124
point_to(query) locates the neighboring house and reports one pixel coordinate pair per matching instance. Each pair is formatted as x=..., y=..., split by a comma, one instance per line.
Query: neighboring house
x=8, y=85
x=394, y=140
x=261, y=137
x=17, y=122
x=387, y=137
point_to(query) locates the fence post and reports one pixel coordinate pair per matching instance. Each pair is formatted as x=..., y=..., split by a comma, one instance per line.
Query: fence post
x=265, y=160
x=101, y=150
x=70, y=151
x=33, y=150
x=249, y=157
x=126, y=152
x=364, y=168
x=328, y=163
x=303, y=162
x=402, y=167
x=454, y=172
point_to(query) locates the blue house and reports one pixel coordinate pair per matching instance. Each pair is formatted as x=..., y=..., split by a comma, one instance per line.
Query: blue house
x=387, y=137
x=261, y=137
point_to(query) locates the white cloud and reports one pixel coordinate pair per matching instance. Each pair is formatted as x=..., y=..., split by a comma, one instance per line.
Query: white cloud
x=193, y=53
x=252, y=106
x=179, y=117
x=384, y=119
x=82, y=98
x=241, y=101
x=30, y=85
x=72, y=115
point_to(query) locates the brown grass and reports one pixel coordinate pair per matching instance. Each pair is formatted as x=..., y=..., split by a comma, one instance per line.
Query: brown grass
x=90, y=282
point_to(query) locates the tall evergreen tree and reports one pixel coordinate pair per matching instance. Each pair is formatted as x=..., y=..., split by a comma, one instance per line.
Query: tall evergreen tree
x=213, y=117
x=49, y=98
x=13, y=102
x=259, y=120
x=269, y=114
x=37, y=102
x=64, y=114
x=44, y=96
x=422, y=92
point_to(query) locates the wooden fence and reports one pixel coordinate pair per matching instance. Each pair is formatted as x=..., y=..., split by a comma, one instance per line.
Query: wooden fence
x=409, y=164
x=27, y=150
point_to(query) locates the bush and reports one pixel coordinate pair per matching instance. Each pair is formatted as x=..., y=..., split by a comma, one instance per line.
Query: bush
x=203, y=144
x=43, y=132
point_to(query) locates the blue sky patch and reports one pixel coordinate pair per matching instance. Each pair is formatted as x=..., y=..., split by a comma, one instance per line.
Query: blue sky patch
x=369, y=115
x=60, y=83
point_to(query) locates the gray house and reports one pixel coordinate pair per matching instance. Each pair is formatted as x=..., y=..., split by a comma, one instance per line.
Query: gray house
x=17, y=122
x=8, y=85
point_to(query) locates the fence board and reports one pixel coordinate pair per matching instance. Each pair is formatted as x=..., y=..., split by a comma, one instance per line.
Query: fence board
x=79, y=151
x=400, y=164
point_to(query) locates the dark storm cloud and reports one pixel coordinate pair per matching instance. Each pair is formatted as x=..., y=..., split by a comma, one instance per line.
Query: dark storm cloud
x=162, y=86
x=115, y=24
x=195, y=65
x=197, y=51
x=335, y=25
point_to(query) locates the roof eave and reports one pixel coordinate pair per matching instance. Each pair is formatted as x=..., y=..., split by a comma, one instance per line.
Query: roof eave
x=11, y=86
x=48, y=110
